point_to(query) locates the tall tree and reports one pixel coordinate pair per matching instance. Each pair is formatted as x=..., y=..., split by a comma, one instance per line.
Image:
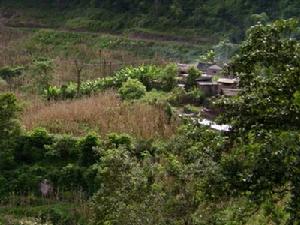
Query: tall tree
x=265, y=159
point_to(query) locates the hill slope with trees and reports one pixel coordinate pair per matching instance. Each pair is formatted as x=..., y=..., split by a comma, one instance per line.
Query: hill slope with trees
x=180, y=17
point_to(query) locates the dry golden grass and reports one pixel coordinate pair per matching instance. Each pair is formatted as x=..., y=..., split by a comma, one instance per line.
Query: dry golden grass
x=95, y=64
x=104, y=114
x=10, y=54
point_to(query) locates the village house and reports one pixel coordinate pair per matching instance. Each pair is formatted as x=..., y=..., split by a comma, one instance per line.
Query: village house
x=209, y=68
x=223, y=86
x=227, y=83
x=228, y=86
x=213, y=70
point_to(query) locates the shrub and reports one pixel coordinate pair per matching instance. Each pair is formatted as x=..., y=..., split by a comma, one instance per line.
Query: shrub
x=155, y=97
x=64, y=149
x=190, y=109
x=145, y=74
x=42, y=69
x=9, y=73
x=31, y=147
x=182, y=97
x=168, y=77
x=117, y=140
x=177, y=96
x=9, y=129
x=71, y=176
x=88, y=151
x=191, y=79
x=132, y=89
x=52, y=92
x=196, y=96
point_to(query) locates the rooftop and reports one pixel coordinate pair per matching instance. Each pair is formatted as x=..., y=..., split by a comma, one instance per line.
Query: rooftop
x=215, y=67
x=204, y=78
x=207, y=83
x=227, y=81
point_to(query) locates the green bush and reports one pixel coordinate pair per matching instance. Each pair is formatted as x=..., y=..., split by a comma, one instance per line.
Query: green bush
x=181, y=97
x=191, y=79
x=71, y=177
x=156, y=97
x=52, y=92
x=132, y=89
x=88, y=150
x=167, y=77
x=196, y=96
x=190, y=109
x=117, y=140
x=64, y=149
x=31, y=148
x=8, y=73
x=9, y=129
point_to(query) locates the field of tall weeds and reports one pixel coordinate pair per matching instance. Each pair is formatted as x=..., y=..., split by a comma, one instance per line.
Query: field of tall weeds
x=104, y=113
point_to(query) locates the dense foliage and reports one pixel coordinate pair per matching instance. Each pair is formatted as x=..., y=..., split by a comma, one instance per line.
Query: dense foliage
x=265, y=115
x=268, y=69
x=212, y=16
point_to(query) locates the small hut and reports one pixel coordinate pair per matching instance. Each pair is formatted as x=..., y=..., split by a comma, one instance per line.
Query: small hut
x=213, y=70
x=228, y=83
x=228, y=87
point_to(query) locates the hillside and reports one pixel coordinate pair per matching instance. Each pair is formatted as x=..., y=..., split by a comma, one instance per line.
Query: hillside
x=173, y=19
x=149, y=112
